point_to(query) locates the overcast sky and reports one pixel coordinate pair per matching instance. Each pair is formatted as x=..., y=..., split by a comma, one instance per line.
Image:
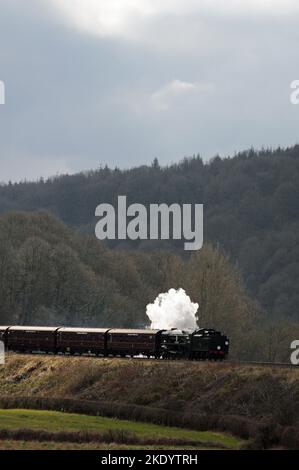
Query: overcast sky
x=90, y=82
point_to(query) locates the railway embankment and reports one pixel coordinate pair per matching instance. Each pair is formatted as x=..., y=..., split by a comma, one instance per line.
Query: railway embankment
x=251, y=401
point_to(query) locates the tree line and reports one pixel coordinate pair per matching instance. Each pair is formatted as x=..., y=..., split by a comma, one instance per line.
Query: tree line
x=250, y=202
x=50, y=275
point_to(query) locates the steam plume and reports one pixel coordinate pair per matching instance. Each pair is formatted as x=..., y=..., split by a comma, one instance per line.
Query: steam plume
x=172, y=309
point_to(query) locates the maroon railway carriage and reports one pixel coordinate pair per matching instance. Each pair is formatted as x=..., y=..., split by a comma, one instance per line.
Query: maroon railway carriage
x=81, y=340
x=31, y=339
x=200, y=344
x=132, y=342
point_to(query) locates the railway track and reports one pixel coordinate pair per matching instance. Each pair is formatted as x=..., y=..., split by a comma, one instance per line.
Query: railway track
x=266, y=364
x=287, y=365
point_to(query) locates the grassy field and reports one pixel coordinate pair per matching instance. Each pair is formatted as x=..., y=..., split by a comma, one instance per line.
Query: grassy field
x=55, y=422
x=253, y=402
x=34, y=445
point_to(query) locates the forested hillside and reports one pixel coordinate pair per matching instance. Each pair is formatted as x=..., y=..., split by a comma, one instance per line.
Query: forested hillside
x=251, y=210
x=51, y=276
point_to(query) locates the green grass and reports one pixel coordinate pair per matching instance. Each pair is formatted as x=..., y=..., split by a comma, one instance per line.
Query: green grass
x=56, y=421
x=34, y=445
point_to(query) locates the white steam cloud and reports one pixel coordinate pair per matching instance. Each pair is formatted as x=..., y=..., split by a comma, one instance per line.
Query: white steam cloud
x=172, y=309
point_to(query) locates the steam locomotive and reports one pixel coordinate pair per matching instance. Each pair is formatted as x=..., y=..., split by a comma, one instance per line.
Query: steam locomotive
x=160, y=344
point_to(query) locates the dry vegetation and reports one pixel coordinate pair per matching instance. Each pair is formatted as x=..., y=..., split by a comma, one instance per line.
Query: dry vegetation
x=253, y=402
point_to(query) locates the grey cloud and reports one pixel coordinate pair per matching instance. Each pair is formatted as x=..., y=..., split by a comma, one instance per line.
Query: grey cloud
x=75, y=100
